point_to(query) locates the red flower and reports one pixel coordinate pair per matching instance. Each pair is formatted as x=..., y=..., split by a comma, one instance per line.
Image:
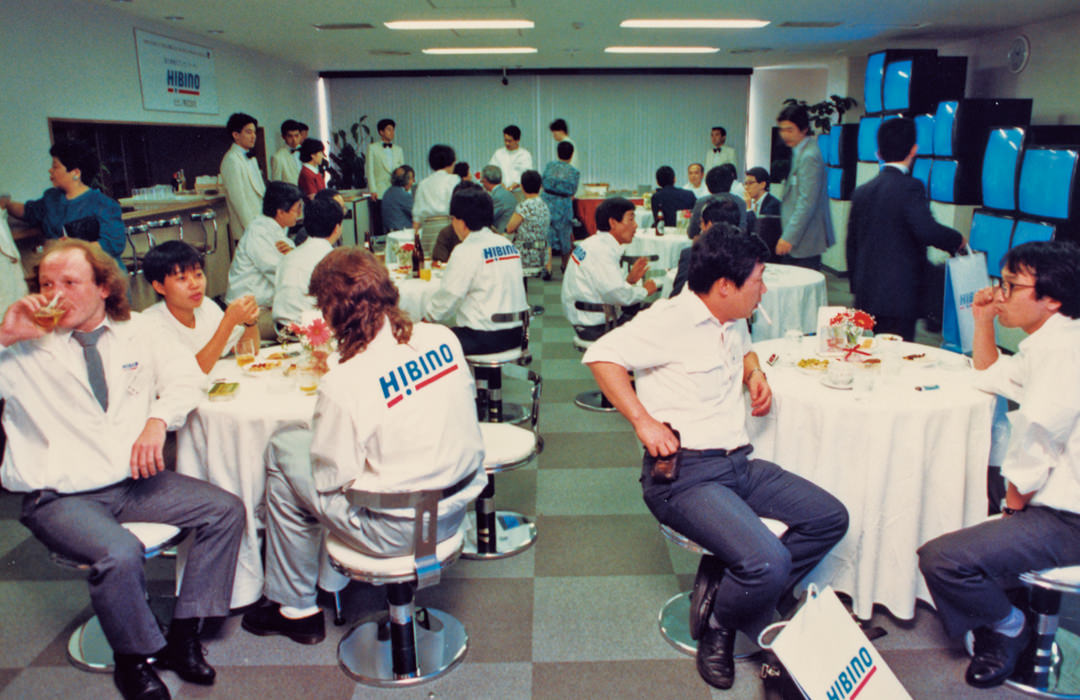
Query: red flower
x=863, y=320
x=318, y=332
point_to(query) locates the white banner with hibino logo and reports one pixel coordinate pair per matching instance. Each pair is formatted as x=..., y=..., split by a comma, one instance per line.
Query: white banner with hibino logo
x=828, y=655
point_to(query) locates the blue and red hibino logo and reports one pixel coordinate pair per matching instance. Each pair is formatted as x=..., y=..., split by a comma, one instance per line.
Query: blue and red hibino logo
x=417, y=374
x=578, y=256
x=180, y=82
x=853, y=678
x=500, y=253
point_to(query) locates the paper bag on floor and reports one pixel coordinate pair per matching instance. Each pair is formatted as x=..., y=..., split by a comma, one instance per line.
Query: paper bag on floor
x=829, y=656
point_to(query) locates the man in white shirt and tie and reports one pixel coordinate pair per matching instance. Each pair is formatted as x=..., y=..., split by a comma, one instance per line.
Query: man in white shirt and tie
x=383, y=157
x=512, y=159
x=87, y=409
x=244, y=186
x=322, y=222
x=285, y=163
x=720, y=153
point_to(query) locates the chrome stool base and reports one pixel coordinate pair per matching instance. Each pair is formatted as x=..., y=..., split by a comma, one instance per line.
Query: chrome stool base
x=365, y=653
x=593, y=401
x=674, y=622
x=514, y=533
x=87, y=648
x=515, y=413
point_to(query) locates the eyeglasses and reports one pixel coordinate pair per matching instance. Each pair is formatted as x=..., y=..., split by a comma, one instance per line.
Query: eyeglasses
x=1006, y=287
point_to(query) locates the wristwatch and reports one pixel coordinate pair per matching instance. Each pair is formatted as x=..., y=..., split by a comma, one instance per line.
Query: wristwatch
x=1006, y=510
x=756, y=369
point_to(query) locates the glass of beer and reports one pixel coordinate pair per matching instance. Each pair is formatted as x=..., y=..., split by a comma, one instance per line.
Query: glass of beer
x=48, y=316
x=245, y=351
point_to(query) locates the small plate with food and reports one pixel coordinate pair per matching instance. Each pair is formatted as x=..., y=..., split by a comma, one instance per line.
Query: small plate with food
x=262, y=367
x=812, y=365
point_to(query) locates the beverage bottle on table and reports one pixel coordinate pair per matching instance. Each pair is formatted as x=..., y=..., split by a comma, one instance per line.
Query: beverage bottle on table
x=660, y=223
x=417, y=256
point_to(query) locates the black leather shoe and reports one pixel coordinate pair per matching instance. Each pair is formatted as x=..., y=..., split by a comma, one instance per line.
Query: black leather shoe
x=716, y=657
x=185, y=657
x=709, y=573
x=137, y=681
x=267, y=620
x=995, y=657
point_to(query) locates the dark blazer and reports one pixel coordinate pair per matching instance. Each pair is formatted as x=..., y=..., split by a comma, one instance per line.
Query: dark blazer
x=770, y=206
x=682, y=273
x=889, y=230
x=670, y=200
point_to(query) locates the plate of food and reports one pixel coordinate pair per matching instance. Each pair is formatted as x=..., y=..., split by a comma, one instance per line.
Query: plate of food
x=262, y=367
x=919, y=359
x=812, y=365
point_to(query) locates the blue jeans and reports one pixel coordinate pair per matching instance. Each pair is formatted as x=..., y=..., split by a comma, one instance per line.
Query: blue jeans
x=716, y=501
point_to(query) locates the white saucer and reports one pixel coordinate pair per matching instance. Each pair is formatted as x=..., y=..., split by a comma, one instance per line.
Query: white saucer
x=841, y=387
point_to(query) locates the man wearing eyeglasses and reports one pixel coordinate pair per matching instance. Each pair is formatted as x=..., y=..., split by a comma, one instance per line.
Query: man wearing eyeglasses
x=1040, y=528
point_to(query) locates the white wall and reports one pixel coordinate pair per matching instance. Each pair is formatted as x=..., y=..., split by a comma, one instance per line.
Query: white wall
x=77, y=60
x=625, y=126
x=769, y=87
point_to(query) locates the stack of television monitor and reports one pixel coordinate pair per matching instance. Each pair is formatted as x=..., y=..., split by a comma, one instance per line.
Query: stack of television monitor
x=1029, y=189
x=840, y=149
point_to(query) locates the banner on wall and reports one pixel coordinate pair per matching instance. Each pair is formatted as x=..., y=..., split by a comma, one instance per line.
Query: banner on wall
x=175, y=76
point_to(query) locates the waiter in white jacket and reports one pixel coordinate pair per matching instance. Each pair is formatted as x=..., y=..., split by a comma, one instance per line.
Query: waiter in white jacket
x=594, y=274
x=87, y=408
x=483, y=277
x=244, y=186
x=383, y=157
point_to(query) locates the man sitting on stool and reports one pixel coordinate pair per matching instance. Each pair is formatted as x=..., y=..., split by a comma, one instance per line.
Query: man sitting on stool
x=482, y=278
x=1040, y=527
x=396, y=414
x=595, y=275
x=87, y=407
x=692, y=357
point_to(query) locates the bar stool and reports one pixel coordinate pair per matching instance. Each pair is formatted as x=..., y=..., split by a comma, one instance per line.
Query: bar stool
x=1041, y=673
x=403, y=645
x=87, y=647
x=487, y=369
x=494, y=534
x=674, y=617
x=594, y=400
x=202, y=217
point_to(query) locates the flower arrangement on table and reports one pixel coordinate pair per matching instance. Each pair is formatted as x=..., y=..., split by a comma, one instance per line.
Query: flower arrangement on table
x=317, y=340
x=846, y=330
x=404, y=256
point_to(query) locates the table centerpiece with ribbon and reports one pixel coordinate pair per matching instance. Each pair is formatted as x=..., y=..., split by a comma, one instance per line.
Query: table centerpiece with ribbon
x=846, y=330
x=317, y=340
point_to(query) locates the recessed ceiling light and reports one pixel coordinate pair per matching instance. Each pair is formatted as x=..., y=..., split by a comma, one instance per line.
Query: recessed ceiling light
x=480, y=50
x=461, y=24
x=174, y=18
x=661, y=49
x=693, y=23
x=215, y=31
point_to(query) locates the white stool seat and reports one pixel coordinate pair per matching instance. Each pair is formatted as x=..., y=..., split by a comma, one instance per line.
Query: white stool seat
x=495, y=358
x=582, y=344
x=380, y=570
x=506, y=446
x=674, y=617
x=1063, y=578
x=152, y=535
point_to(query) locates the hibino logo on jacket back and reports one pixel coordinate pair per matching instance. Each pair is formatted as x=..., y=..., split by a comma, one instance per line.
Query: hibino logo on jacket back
x=499, y=253
x=414, y=375
x=853, y=677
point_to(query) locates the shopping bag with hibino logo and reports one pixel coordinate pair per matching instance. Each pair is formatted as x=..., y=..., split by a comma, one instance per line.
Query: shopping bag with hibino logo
x=827, y=654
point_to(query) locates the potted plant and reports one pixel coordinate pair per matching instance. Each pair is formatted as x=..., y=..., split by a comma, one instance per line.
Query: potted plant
x=347, y=171
x=821, y=112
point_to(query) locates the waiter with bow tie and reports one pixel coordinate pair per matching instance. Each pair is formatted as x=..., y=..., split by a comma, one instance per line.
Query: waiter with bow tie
x=720, y=153
x=285, y=164
x=383, y=157
x=244, y=186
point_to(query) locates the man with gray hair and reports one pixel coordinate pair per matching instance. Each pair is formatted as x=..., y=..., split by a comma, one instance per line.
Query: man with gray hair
x=501, y=198
x=397, y=202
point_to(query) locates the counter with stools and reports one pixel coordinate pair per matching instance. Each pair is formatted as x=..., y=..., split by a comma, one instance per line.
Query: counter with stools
x=1048, y=672
x=594, y=400
x=487, y=370
x=403, y=645
x=87, y=647
x=674, y=617
x=494, y=534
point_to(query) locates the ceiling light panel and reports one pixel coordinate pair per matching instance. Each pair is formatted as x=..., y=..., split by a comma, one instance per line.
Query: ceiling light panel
x=693, y=23
x=661, y=49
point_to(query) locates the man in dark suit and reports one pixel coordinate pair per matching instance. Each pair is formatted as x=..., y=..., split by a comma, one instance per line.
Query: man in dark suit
x=888, y=232
x=669, y=199
x=761, y=205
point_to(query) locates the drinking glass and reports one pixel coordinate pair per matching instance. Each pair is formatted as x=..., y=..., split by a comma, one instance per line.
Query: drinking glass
x=246, y=350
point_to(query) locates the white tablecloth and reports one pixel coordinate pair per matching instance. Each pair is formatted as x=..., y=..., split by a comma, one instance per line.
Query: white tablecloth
x=223, y=443
x=908, y=465
x=643, y=217
x=792, y=300
x=667, y=247
x=415, y=293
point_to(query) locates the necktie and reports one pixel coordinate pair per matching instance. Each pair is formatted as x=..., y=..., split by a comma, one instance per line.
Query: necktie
x=716, y=150
x=94, y=369
x=250, y=154
x=387, y=145
x=293, y=150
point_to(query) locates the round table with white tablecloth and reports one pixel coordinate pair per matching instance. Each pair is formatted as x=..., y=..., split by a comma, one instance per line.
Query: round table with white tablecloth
x=394, y=241
x=791, y=302
x=223, y=442
x=415, y=293
x=666, y=247
x=908, y=459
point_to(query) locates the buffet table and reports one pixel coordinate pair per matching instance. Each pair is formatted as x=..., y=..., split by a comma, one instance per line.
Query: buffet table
x=907, y=458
